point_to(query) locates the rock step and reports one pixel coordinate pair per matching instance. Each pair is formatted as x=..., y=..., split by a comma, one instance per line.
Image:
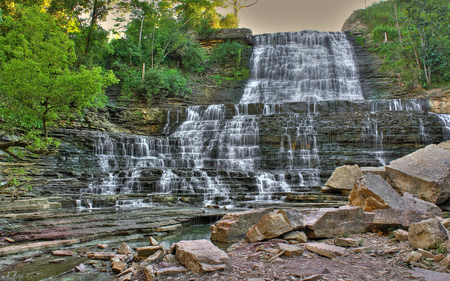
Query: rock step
x=11, y=250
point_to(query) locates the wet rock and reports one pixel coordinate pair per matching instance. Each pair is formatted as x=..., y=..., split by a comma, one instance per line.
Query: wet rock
x=372, y=192
x=299, y=236
x=81, y=267
x=413, y=256
x=102, y=246
x=125, y=249
x=126, y=277
x=422, y=205
x=344, y=177
x=155, y=258
x=125, y=272
x=425, y=233
x=424, y=173
x=401, y=235
x=169, y=271
x=62, y=253
x=290, y=250
x=201, y=256
x=346, y=242
x=102, y=256
x=329, y=251
x=232, y=227
x=145, y=252
x=118, y=266
x=275, y=224
x=387, y=218
x=329, y=223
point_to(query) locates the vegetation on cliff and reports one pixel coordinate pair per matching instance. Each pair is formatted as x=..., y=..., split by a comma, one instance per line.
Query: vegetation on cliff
x=56, y=59
x=412, y=39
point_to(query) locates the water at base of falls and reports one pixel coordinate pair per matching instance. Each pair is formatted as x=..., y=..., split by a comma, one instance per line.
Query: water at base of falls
x=268, y=144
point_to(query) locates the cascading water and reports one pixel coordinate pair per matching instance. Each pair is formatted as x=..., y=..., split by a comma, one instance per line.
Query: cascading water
x=307, y=66
x=279, y=139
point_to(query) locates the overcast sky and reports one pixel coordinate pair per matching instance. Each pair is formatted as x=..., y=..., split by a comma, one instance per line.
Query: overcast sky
x=269, y=16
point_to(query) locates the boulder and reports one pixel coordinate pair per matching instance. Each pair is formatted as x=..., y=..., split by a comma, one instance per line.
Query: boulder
x=421, y=205
x=155, y=258
x=372, y=192
x=381, y=171
x=299, y=236
x=201, y=256
x=232, y=227
x=425, y=173
x=425, y=233
x=387, y=218
x=275, y=224
x=344, y=177
x=125, y=249
x=330, y=222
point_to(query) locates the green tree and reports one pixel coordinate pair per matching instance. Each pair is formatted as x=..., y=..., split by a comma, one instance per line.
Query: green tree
x=38, y=84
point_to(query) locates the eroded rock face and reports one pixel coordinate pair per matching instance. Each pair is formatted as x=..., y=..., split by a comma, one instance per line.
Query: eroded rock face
x=372, y=192
x=330, y=223
x=425, y=173
x=275, y=224
x=201, y=256
x=425, y=233
x=344, y=178
x=232, y=227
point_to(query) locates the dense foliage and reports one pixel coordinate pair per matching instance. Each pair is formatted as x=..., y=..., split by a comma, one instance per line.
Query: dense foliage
x=56, y=59
x=412, y=38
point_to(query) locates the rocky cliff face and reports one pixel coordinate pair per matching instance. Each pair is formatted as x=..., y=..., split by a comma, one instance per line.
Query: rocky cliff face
x=321, y=136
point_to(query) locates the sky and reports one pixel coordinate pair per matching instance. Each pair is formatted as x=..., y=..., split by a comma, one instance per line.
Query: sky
x=270, y=16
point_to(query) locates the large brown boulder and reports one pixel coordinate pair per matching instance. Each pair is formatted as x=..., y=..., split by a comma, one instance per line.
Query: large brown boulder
x=372, y=192
x=387, y=218
x=330, y=223
x=201, y=256
x=425, y=173
x=344, y=177
x=232, y=227
x=425, y=233
x=275, y=224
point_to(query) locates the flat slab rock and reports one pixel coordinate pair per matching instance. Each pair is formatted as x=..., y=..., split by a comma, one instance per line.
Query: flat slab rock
x=201, y=256
x=329, y=251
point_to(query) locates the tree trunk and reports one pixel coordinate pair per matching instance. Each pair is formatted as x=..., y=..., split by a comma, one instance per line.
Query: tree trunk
x=91, y=27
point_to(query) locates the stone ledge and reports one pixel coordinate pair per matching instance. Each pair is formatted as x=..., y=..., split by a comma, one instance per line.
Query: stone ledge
x=11, y=250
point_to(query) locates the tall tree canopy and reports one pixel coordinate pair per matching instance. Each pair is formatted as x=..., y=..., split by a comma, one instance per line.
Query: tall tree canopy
x=38, y=83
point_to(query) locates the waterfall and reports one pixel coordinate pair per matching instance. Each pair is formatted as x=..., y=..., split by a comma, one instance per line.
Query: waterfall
x=306, y=66
x=279, y=139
